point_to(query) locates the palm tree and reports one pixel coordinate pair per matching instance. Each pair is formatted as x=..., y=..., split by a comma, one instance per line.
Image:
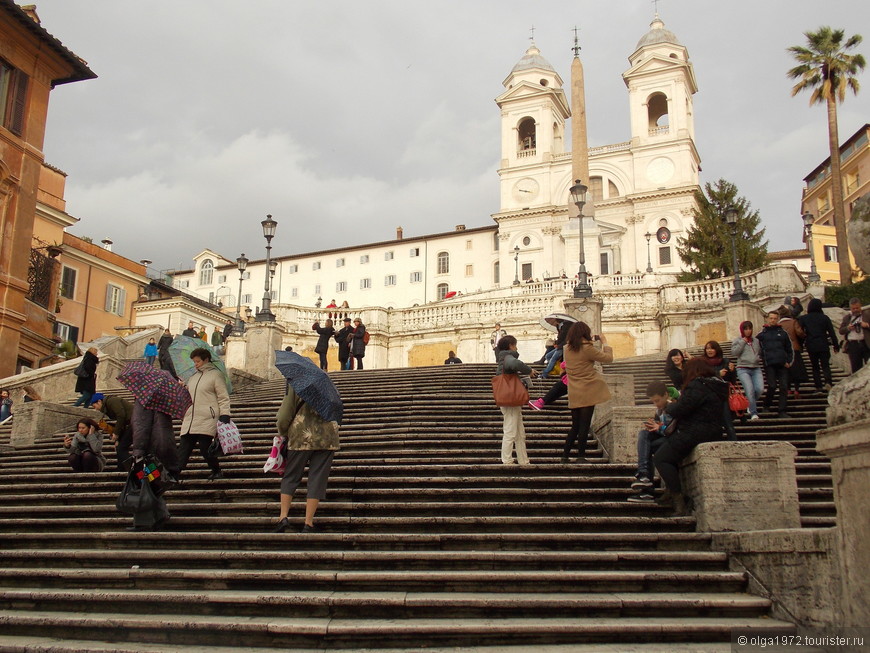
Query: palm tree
x=825, y=68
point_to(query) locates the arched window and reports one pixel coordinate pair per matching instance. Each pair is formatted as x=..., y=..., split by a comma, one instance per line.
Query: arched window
x=526, y=134
x=443, y=262
x=206, y=273
x=442, y=290
x=657, y=112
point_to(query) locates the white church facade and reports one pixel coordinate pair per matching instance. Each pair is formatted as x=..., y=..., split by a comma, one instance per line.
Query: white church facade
x=644, y=186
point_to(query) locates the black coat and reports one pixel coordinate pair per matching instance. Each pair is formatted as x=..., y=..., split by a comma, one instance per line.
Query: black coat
x=675, y=374
x=700, y=409
x=228, y=329
x=776, y=346
x=341, y=339
x=88, y=382
x=358, y=345
x=820, y=331
x=325, y=333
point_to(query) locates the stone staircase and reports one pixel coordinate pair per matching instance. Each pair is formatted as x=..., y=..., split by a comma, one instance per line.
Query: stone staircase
x=425, y=541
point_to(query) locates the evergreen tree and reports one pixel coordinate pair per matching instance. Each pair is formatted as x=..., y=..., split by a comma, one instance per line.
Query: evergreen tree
x=706, y=248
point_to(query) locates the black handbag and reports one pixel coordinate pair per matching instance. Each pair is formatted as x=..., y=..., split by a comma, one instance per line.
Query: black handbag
x=80, y=370
x=137, y=495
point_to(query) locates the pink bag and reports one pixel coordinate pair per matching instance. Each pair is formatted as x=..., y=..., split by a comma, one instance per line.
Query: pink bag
x=277, y=460
x=229, y=437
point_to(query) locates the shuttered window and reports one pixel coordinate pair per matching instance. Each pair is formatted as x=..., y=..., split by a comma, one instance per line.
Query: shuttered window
x=115, y=299
x=13, y=98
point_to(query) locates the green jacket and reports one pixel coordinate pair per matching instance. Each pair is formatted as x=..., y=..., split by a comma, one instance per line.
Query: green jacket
x=304, y=429
x=119, y=410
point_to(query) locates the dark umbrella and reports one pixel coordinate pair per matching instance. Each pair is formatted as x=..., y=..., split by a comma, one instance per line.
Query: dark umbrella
x=155, y=389
x=312, y=384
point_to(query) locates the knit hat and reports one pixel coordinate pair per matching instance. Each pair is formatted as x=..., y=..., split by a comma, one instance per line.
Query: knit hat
x=98, y=396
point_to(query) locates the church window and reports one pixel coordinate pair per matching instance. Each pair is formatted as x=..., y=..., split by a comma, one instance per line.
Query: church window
x=442, y=290
x=596, y=188
x=206, y=273
x=605, y=263
x=495, y=243
x=495, y=272
x=443, y=262
x=612, y=189
x=527, y=136
x=664, y=255
x=544, y=82
x=657, y=112
x=527, y=241
x=527, y=271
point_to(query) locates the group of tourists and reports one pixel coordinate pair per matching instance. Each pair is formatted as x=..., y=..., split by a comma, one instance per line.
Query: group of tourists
x=351, y=339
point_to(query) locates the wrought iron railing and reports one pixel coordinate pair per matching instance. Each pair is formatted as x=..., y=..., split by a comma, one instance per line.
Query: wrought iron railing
x=39, y=278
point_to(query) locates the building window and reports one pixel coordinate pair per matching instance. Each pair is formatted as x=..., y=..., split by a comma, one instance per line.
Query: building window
x=831, y=254
x=364, y=259
x=468, y=244
x=339, y=262
x=527, y=241
x=495, y=241
x=317, y=289
x=496, y=269
x=341, y=286
x=222, y=278
x=390, y=280
x=664, y=255
x=211, y=297
x=246, y=299
x=823, y=205
x=245, y=275
x=415, y=251
x=526, y=136
x=442, y=290
x=469, y=270
x=294, y=292
x=185, y=283
x=605, y=263
x=13, y=96
x=526, y=271
x=315, y=265
x=273, y=295
x=365, y=284
x=443, y=262
x=852, y=182
x=206, y=273
x=68, y=283
x=294, y=268
x=115, y=297
x=416, y=277
x=388, y=256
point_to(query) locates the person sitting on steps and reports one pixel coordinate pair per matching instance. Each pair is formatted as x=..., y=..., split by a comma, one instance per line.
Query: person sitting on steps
x=649, y=439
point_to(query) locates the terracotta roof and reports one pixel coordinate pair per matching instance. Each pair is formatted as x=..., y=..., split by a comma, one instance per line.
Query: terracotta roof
x=789, y=253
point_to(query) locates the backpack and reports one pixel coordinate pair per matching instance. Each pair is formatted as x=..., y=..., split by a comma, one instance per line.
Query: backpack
x=366, y=338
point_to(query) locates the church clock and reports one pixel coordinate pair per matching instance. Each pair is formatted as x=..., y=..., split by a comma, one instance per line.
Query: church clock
x=525, y=190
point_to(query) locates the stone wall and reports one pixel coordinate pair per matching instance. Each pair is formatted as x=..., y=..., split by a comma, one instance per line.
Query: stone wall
x=42, y=420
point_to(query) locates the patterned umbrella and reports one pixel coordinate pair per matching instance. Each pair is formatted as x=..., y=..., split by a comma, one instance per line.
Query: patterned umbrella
x=155, y=389
x=312, y=384
x=180, y=350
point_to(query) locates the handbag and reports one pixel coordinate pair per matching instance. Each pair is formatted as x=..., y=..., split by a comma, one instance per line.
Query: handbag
x=277, y=460
x=737, y=401
x=509, y=390
x=229, y=438
x=137, y=495
x=80, y=370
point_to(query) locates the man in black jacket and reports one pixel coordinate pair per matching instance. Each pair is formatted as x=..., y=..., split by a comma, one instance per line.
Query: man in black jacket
x=856, y=327
x=344, y=357
x=778, y=355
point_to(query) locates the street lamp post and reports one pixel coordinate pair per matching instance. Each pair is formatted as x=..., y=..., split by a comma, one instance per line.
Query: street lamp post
x=516, y=265
x=813, y=276
x=738, y=295
x=649, y=269
x=578, y=196
x=242, y=264
x=265, y=314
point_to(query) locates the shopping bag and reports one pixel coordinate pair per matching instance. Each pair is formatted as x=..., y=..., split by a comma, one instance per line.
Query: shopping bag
x=509, y=390
x=137, y=495
x=229, y=437
x=737, y=401
x=277, y=460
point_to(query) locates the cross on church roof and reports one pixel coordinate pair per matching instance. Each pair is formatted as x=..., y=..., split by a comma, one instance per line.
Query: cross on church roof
x=656, y=4
x=576, y=47
x=532, y=37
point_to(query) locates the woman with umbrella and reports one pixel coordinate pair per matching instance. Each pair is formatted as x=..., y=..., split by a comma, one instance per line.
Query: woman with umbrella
x=211, y=402
x=309, y=417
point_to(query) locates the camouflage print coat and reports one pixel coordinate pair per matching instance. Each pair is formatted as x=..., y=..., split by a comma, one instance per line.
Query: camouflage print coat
x=304, y=429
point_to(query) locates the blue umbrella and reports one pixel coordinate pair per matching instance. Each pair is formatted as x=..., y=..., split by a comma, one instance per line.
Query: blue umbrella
x=312, y=384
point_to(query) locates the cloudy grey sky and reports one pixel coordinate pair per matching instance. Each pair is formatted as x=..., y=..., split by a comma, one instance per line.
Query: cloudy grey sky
x=347, y=119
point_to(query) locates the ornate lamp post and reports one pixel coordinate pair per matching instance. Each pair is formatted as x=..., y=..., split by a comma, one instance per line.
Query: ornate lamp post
x=265, y=314
x=738, y=295
x=242, y=264
x=517, y=265
x=649, y=269
x=808, y=218
x=578, y=196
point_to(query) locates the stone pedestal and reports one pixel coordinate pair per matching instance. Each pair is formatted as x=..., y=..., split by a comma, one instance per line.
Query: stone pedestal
x=617, y=430
x=737, y=312
x=848, y=446
x=849, y=401
x=586, y=309
x=742, y=486
x=40, y=420
x=622, y=388
x=263, y=338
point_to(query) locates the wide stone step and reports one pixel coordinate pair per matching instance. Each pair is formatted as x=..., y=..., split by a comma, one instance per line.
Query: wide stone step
x=324, y=632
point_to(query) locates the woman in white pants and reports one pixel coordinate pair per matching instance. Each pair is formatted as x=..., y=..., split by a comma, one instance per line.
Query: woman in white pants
x=514, y=432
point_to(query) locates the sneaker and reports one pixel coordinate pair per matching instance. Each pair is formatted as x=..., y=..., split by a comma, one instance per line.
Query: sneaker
x=752, y=418
x=537, y=404
x=641, y=482
x=642, y=497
